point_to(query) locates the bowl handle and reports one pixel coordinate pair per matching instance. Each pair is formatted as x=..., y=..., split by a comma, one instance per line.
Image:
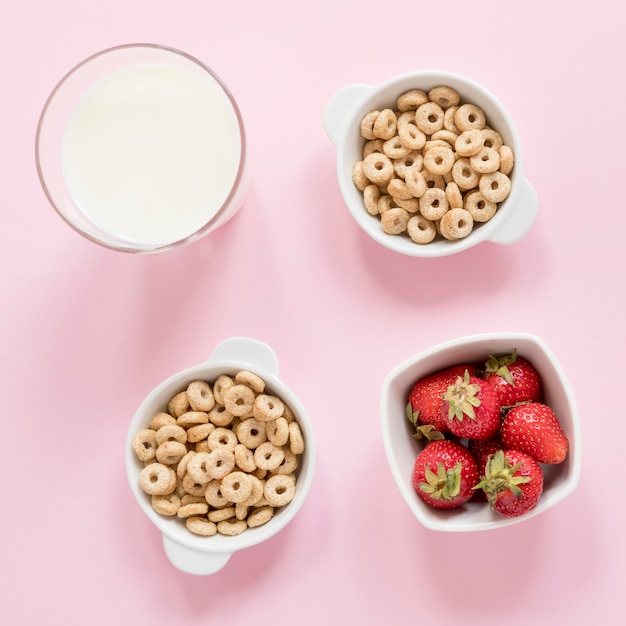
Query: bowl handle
x=339, y=108
x=521, y=219
x=192, y=561
x=246, y=350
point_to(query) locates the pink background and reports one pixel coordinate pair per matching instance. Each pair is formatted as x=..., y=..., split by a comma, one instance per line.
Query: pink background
x=87, y=332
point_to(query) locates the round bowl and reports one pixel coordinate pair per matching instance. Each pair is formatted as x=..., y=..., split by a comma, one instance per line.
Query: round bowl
x=402, y=449
x=142, y=148
x=342, y=120
x=188, y=552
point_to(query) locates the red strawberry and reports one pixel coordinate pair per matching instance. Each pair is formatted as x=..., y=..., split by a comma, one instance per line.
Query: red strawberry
x=534, y=428
x=427, y=393
x=444, y=474
x=514, y=378
x=471, y=408
x=513, y=482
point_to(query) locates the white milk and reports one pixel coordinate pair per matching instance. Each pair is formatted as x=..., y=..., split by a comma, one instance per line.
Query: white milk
x=151, y=153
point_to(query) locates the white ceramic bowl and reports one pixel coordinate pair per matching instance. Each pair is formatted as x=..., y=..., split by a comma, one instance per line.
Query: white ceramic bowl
x=121, y=149
x=402, y=449
x=342, y=120
x=206, y=555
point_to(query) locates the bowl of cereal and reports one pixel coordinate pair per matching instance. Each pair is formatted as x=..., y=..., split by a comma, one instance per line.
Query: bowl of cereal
x=430, y=163
x=220, y=456
x=403, y=445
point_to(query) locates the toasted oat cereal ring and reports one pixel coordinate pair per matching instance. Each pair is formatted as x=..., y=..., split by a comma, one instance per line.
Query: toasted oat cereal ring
x=434, y=204
x=414, y=159
x=454, y=196
x=493, y=139
x=367, y=124
x=145, y=444
x=239, y=400
x=221, y=385
x=288, y=414
x=434, y=143
x=411, y=205
x=241, y=511
x=268, y=456
x=157, y=479
x=171, y=432
x=254, y=381
x=374, y=145
x=507, y=159
x=191, y=487
x=469, y=116
x=296, y=440
x=485, y=161
x=236, y=486
x=429, y=118
x=411, y=100
x=278, y=431
x=448, y=120
x=199, y=432
x=464, y=175
x=192, y=418
x=394, y=148
x=267, y=407
x=193, y=509
x=201, y=526
x=289, y=464
x=198, y=468
x=221, y=462
x=178, y=404
x=444, y=96
x=439, y=159
x=244, y=458
x=415, y=182
x=280, y=489
x=200, y=395
x=359, y=178
x=386, y=203
x=398, y=190
x=420, y=229
x=220, y=515
x=480, y=209
x=433, y=180
x=222, y=438
x=166, y=505
x=213, y=495
x=385, y=124
x=257, y=491
x=220, y=416
x=378, y=168
x=456, y=224
x=181, y=467
x=231, y=527
x=260, y=516
x=171, y=452
x=495, y=186
x=469, y=142
x=445, y=135
x=189, y=499
x=162, y=419
x=394, y=221
x=410, y=135
x=371, y=195
x=251, y=433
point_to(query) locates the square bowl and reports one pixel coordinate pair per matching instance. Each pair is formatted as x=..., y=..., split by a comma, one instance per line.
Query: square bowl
x=402, y=449
x=195, y=554
x=342, y=119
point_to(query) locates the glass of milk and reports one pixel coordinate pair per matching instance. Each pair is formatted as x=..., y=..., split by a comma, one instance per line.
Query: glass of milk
x=142, y=148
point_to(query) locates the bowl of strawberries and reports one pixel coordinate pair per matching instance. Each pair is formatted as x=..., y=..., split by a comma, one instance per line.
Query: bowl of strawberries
x=481, y=432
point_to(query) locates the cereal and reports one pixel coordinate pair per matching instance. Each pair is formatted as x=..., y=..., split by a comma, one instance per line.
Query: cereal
x=224, y=456
x=200, y=396
x=145, y=444
x=439, y=142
